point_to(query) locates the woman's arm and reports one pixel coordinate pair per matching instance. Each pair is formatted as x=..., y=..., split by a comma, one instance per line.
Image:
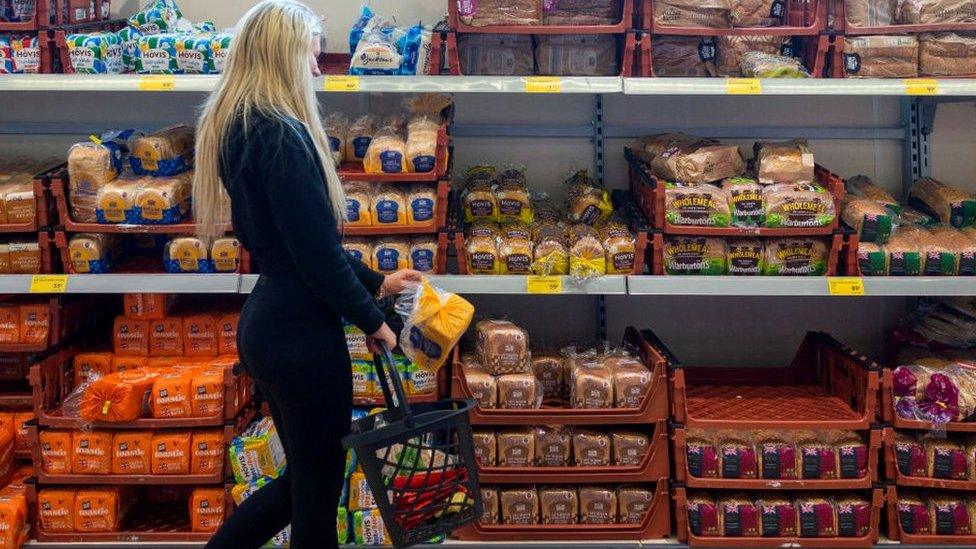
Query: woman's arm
x=302, y=212
x=371, y=279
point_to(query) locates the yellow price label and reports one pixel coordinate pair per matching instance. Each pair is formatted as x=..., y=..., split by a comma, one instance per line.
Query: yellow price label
x=743, y=86
x=845, y=285
x=341, y=83
x=922, y=86
x=49, y=284
x=544, y=284
x=543, y=84
x=157, y=82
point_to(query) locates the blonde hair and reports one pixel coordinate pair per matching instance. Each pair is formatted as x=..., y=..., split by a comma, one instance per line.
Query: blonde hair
x=267, y=72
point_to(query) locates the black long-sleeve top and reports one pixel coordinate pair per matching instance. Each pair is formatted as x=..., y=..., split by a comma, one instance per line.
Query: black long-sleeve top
x=281, y=213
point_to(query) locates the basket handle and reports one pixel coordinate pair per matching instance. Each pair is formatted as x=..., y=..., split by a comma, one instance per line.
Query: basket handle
x=397, y=399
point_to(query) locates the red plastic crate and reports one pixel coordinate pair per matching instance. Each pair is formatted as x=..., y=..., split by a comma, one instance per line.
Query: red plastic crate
x=55, y=52
x=803, y=18
x=893, y=474
x=656, y=524
x=353, y=171
x=439, y=222
x=59, y=12
x=684, y=476
x=815, y=53
x=654, y=465
x=895, y=532
x=685, y=535
x=653, y=408
x=827, y=386
x=892, y=417
x=52, y=380
x=626, y=21
x=633, y=49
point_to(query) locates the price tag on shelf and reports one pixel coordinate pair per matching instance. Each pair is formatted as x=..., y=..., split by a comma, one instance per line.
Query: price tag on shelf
x=922, y=86
x=847, y=285
x=49, y=284
x=743, y=86
x=543, y=84
x=544, y=284
x=339, y=83
x=157, y=82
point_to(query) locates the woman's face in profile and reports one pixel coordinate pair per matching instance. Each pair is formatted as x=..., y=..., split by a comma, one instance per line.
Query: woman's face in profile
x=316, y=49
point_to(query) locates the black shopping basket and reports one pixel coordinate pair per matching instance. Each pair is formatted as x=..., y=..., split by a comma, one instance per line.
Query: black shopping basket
x=418, y=460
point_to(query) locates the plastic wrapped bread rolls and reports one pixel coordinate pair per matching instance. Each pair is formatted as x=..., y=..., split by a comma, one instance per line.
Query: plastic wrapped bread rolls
x=164, y=153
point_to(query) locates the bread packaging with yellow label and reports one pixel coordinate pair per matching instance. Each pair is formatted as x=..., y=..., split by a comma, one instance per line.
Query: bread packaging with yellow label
x=92, y=253
x=225, y=253
x=389, y=206
x=163, y=200
x=116, y=200
x=164, y=153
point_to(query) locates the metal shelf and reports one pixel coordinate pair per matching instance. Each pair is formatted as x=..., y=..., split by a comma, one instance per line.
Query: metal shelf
x=514, y=284
x=499, y=84
x=796, y=286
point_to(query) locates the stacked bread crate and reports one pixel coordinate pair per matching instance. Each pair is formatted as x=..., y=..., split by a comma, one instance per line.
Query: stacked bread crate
x=735, y=39
x=772, y=456
x=882, y=39
x=600, y=460
x=532, y=37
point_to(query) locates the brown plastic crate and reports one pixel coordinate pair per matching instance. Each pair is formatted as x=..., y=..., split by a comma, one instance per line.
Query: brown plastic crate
x=626, y=21
x=656, y=524
x=59, y=12
x=893, y=474
x=827, y=386
x=650, y=196
x=685, y=536
x=52, y=381
x=803, y=18
x=684, y=476
x=148, y=522
x=895, y=532
x=890, y=416
x=841, y=25
x=633, y=49
x=654, y=465
x=653, y=408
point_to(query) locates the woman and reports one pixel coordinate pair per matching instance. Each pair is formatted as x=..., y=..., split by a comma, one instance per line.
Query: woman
x=260, y=141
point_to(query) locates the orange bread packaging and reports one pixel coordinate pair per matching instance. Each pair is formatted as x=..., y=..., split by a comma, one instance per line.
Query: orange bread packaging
x=171, y=453
x=207, y=389
x=208, y=453
x=147, y=306
x=84, y=364
x=162, y=362
x=7, y=422
x=131, y=336
x=91, y=452
x=18, y=482
x=9, y=324
x=131, y=453
x=13, y=521
x=200, y=335
x=166, y=337
x=117, y=397
x=35, y=323
x=101, y=509
x=56, y=509
x=7, y=461
x=171, y=394
x=56, y=451
x=206, y=509
x=228, y=333
x=126, y=363
x=22, y=439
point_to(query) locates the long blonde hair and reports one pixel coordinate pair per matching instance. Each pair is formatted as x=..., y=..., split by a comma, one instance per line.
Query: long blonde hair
x=267, y=72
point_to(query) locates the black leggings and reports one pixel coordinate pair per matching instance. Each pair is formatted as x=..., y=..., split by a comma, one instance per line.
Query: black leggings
x=299, y=361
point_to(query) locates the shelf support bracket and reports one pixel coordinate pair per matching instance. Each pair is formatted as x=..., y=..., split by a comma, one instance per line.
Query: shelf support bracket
x=918, y=119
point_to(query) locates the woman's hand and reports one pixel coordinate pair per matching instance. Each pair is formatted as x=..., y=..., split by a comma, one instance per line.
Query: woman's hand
x=401, y=280
x=384, y=335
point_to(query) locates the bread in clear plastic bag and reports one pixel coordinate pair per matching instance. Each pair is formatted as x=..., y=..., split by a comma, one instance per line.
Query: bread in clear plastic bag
x=513, y=202
x=784, y=162
x=795, y=256
x=358, y=137
x=225, y=253
x=704, y=518
x=421, y=146
x=881, y=56
x=591, y=448
x=389, y=206
x=360, y=248
x=934, y=12
x=950, y=514
x=758, y=13
x=480, y=202
x=702, y=454
x=746, y=204
x=359, y=204
x=391, y=254
x=553, y=446
x=91, y=166
x=187, y=254
x=696, y=205
x=164, y=153
x=757, y=64
x=863, y=186
x=163, y=200
x=387, y=152
x=587, y=258
x=737, y=456
x=487, y=13
x=551, y=255
x=116, y=200
x=746, y=256
x=598, y=505
x=681, y=56
x=92, y=252
x=708, y=14
x=694, y=255
x=870, y=220
x=519, y=392
x=482, y=255
x=591, y=386
x=621, y=248
x=433, y=321
x=516, y=448
x=496, y=54
x=948, y=203
x=423, y=254
x=738, y=515
x=519, y=505
x=945, y=459
x=421, y=201
x=870, y=13
x=515, y=255
x=502, y=347
x=558, y=505
x=589, y=203
x=776, y=455
x=376, y=52
x=730, y=49
x=947, y=54
x=336, y=129
x=798, y=205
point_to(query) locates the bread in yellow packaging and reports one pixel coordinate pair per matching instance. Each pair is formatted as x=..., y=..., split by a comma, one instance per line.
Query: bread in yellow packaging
x=90, y=167
x=226, y=254
x=421, y=147
x=163, y=200
x=116, y=200
x=421, y=205
x=360, y=495
x=360, y=248
x=91, y=253
x=387, y=153
x=389, y=206
x=186, y=254
x=391, y=254
x=358, y=138
x=434, y=320
x=166, y=152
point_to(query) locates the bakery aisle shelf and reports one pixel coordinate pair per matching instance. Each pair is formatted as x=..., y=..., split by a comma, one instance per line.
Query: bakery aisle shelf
x=503, y=284
x=798, y=286
x=131, y=283
x=452, y=544
x=74, y=83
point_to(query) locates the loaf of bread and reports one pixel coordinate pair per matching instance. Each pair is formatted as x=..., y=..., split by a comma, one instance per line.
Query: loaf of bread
x=360, y=248
x=515, y=255
x=482, y=385
x=948, y=203
x=798, y=205
x=588, y=203
x=336, y=127
x=91, y=252
x=502, y=347
x=862, y=186
x=696, y=205
x=621, y=248
x=358, y=137
x=913, y=514
x=391, y=254
x=817, y=516
x=598, y=505
x=163, y=200
x=490, y=506
x=757, y=64
x=795, y=256
x=758, y=13
x=704, y=518
x=694, y=255
x=225, y=252
x=870, y=13
x=702, y=454
x=421, y=204
x=186, y=254
x=629, y=448
x=852, y=455
x=910, y=455
x=490, y=13
x=19, y=204
x=631, y=381
x=746, y=256
x=777, y=456
x=881, y=56
x=818, y=459
x=777, y=515
x=935, y=12
x=553, y=446
x=25, y=257
x=730, y=49
x=900, y=256
x=787, y=162
x=496, y=54
x=359, y=202
x=558, y=505
x=480, y=203
x=518, y=392
x=591, y=448
x=90, y=167
x=587, y=257
x=577, y=55
x=519, y=505
x=164, y=153
x=738, y=516
x=945, y=459
x=746, y=204
x=709, y=14
x=853, y=516
x=387, y=152
x=550, y=371
x=423, y=254
x=516, y=448
x=947, y=53
x=681, y=56
x=116, y=200
x=389, y=206
x=737, y=456
x=591, y=386
x=580, y=12
x=687, y=159
x=422, y=143
x=482, y=255
x=950, y=515
x=871, y=220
